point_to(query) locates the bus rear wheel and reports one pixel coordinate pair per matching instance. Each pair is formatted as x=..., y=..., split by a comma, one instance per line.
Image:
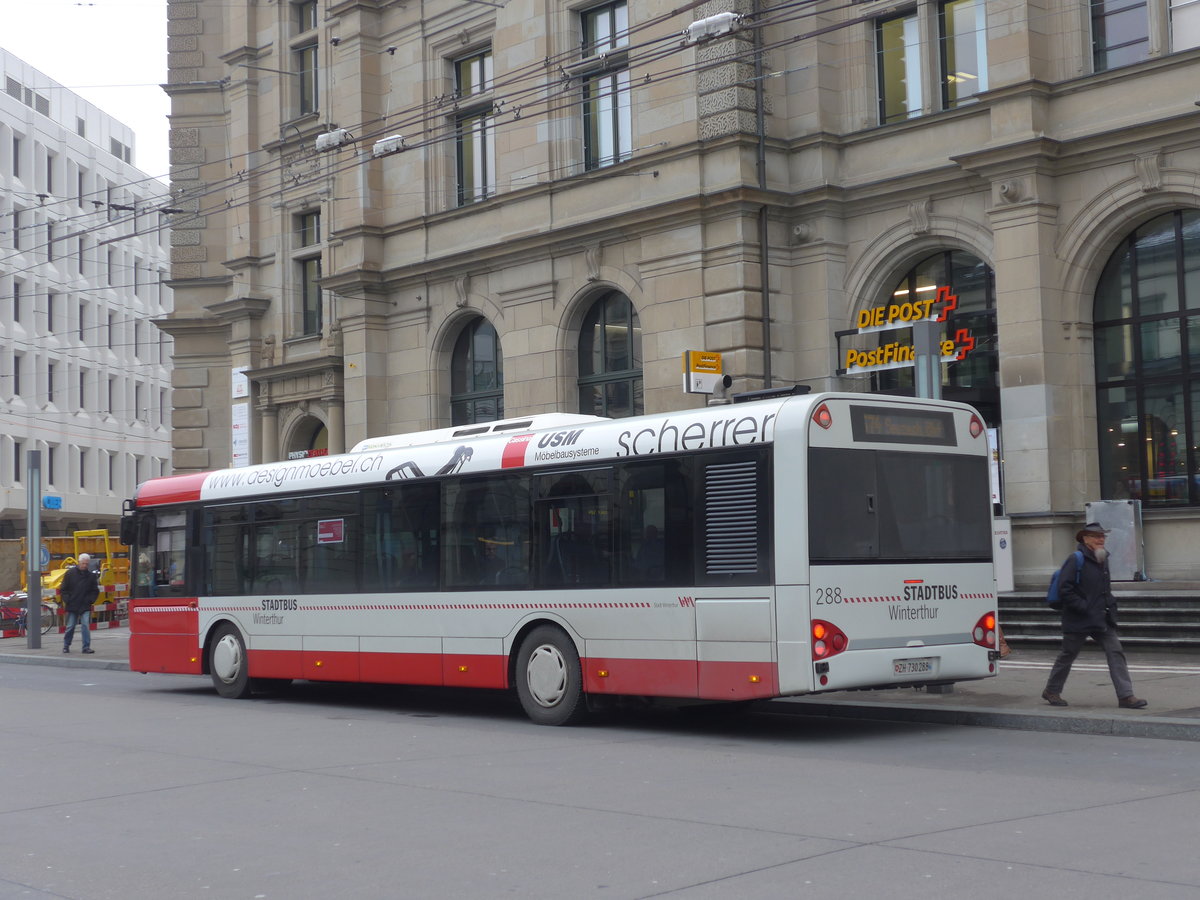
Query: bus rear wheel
x=227, y=663
x=549, y=678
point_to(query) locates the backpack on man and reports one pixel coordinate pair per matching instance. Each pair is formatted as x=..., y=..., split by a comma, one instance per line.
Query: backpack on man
x=1053, y=597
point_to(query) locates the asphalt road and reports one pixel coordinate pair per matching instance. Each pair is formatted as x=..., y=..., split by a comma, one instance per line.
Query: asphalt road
x=134, y=786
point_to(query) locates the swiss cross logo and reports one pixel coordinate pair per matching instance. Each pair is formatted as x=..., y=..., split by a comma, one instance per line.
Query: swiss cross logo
x=948, y=301
x=514, y=451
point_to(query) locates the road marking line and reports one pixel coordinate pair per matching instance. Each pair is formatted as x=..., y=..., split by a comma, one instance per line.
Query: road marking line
x=1103, y=667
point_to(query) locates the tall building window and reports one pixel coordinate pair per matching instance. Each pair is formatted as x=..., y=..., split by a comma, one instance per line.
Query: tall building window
x=898, y=48
x=963, y=29
x=16, y=301
x=51, y=302
x=50, y=373
x=1185, y=24
x=306, y=78
x=17, y=361
x=308, y=273
x=51, y=459
x=607, y=113
x=17, y=148
x=610, y=358
x=1147, y=344
x=476, y=375
x=83, y=461
x=1120, y=33
x=475, y=142
x=16, y=227
x=18, y=453
x=905, y=69
x=306, y=15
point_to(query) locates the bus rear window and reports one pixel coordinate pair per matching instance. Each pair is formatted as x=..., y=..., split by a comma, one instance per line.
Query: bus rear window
x=881, y=506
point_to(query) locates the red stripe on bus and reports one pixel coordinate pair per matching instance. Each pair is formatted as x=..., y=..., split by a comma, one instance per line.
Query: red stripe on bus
x=172, y=489
x=514, y=452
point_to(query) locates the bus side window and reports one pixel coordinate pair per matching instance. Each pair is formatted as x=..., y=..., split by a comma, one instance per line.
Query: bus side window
x=574, y=527
x=487, y=531
x=170, y=555
x=654, y=533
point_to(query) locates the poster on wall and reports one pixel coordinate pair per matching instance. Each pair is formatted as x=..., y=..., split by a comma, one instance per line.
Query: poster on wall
x=240, y=450
x=239, y=383
x=993, y=438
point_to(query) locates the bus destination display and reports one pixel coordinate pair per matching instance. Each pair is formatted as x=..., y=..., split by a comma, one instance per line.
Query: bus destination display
x=876, y=424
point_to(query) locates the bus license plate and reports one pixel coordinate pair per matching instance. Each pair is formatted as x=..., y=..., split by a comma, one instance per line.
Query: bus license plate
x=912, y=666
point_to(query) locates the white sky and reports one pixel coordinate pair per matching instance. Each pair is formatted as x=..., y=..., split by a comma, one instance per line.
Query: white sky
x=113, y=53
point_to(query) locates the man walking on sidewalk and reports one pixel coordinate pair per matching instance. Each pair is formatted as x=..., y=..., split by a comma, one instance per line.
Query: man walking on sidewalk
x=80, y=588
x=1089, y=610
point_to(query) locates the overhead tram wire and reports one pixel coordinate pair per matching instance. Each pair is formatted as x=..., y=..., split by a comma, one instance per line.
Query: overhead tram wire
x=536, y=69
x=230, y=182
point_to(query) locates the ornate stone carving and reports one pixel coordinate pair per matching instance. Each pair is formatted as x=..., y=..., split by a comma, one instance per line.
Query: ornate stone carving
x=462, y=286
x=1149, y=171
x=802, y=233
x=1009, y=191
x=268, y=351
x=918, y=216
x=591, y=256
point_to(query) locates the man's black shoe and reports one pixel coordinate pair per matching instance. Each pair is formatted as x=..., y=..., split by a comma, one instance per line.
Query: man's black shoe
x=66, y=649
x=1132, y=702
x=88, y=650
x=1053, y=699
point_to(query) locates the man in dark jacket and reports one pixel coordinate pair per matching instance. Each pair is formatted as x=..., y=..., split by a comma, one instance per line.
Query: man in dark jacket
x=1089, y=610
x=80, y=588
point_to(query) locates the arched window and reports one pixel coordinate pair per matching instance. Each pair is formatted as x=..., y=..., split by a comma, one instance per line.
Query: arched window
x=975, y=379
x=1147, y=328
x=610, y=358
x=476, y=375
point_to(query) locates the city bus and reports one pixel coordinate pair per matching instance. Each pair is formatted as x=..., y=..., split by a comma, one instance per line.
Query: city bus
x=779, y=547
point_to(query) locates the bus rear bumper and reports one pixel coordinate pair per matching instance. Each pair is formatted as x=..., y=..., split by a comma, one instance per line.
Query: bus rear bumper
x=897, y=667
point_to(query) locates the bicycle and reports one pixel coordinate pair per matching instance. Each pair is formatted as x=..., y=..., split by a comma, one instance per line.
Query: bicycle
x=15, y=617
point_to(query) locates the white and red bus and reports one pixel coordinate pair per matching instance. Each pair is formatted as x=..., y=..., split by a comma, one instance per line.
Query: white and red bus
x=778, y=547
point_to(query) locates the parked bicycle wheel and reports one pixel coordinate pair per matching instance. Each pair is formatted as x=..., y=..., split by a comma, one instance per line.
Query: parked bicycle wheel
x=49, y=617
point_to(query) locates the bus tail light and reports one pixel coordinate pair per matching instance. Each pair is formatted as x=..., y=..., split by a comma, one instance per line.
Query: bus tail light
x=976, y=426
x=827, y=640
x=984, y=632
x=823, y=416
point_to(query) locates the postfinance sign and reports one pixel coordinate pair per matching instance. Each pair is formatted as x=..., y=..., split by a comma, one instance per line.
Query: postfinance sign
x=891, y=316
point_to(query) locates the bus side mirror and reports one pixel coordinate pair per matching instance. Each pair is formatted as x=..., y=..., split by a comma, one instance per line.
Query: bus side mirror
x=129, y=530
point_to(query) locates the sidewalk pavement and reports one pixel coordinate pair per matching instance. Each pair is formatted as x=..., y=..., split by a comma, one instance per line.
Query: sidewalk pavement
x=1169, y=681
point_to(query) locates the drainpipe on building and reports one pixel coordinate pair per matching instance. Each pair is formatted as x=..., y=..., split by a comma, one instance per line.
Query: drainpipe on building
x=764, y=248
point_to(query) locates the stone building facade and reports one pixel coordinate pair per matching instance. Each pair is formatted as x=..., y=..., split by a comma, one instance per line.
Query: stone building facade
x=401, y=216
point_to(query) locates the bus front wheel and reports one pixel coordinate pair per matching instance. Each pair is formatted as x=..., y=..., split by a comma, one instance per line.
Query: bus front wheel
x=227, y=663
x=549, y=678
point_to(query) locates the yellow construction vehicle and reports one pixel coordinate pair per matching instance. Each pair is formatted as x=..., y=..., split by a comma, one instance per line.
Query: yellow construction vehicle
x=60, y=553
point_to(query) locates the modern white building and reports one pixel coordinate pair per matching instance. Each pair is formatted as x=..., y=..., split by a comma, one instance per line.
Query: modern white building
x=84, y=372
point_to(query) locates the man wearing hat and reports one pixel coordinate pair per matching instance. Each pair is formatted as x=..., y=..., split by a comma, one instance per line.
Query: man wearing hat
x=1089, y=610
